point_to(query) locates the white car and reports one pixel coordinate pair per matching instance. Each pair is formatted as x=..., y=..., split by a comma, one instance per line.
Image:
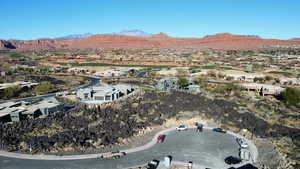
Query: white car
x=242, y=142
x=181, y=128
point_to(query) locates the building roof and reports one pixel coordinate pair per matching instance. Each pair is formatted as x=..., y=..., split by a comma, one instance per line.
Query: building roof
x=5, y=108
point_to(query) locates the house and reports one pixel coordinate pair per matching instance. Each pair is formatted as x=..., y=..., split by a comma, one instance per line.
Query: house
x=18, y=111
x=77, y=70
x=115, y=72
x=290, y=81
x=193, y=88
x=167, y=84
x=242, y=76
x=2, y=73
x=100, y=94
x=124, y=89
x=263, y=89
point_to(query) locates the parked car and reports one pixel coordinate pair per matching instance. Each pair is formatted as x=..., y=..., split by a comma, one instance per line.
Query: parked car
x=113, y=155
x=181, y=128
x=232, y=160
x=161, y=138
x=220, y=130
x=153, y=164
x=242, y=142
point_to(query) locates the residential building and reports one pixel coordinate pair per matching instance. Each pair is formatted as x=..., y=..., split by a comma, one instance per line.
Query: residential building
x=100, y=94
x=17, y=111
x=2, y=73
x=263, y=89
x=167, y=84
x=242, y=76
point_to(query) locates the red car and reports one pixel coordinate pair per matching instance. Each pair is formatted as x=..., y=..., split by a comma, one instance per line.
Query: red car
x=161, y=138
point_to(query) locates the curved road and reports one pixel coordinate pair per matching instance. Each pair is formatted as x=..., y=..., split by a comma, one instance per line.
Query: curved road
x=206, y=148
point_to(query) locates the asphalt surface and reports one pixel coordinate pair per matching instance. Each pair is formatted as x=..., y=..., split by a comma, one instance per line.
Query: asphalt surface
x=206, y=149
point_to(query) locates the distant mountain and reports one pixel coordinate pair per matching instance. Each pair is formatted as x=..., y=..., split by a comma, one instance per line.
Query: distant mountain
x=229, y=35
x=75, y=36
x=295, y=39
x=135, y=32
x=161, y=40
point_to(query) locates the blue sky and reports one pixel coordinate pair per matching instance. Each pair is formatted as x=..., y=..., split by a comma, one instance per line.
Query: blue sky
x=31, y=19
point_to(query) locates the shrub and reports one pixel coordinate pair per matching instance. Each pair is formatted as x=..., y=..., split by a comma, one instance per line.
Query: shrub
x=42, y=88
x=259, y=79
x=10, y=92
x=183, y=82
x=268, y=78
x=228, y=89
x=291, y=96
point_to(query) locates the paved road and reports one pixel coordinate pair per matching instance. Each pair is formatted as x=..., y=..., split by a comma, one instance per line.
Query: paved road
x=207, y=149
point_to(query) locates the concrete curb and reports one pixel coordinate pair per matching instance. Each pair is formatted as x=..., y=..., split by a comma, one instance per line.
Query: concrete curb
x=252, y=149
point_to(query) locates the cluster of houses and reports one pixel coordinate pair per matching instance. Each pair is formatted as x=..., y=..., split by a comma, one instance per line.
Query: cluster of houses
x=20, y=110
x=101, y=94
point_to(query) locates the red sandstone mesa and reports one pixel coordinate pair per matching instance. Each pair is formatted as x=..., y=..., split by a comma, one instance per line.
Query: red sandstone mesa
x=218, y=41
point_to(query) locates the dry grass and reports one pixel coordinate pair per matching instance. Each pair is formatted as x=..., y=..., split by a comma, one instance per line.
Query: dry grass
x=47, y=131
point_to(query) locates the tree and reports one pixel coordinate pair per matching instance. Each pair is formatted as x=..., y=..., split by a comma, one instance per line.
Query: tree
x=42, y=88
x=183, y=82
x=152, y=74
x=268, y=78
x=291, y=96
x=10, y=92
x=259, y=79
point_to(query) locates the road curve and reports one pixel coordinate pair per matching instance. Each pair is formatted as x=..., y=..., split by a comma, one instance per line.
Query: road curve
x=252, y=148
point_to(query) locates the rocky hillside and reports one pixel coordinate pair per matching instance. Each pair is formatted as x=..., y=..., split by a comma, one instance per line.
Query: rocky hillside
x=218, y=41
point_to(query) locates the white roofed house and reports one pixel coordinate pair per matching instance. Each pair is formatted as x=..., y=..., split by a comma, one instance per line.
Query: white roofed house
x=290, y=81
x=17, y=111
x=111, y=73
x=124, y=89
x=77, y=70
x=263, y=89
x=2, y=73
x=242, y=76
x=101, y=94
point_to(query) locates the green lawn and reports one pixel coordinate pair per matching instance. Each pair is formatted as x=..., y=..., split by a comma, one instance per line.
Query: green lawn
x=119, y=65
x=18, y=56
x=288, y=74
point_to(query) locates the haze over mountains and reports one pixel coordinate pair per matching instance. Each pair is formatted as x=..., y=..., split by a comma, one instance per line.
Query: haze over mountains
x=133, y=32
x=141, y=39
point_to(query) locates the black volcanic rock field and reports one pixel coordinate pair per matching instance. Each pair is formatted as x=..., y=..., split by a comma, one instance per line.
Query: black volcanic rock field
x=85, y=128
